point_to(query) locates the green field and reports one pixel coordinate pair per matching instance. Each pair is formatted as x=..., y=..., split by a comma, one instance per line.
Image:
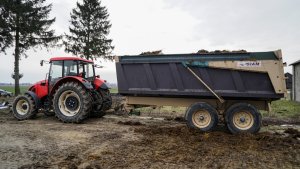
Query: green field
x=280, y=109
x=12, y=88
x=113, y=90
x=284, y=108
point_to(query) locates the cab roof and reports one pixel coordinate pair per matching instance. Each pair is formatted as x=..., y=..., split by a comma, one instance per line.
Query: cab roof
x=70, y=58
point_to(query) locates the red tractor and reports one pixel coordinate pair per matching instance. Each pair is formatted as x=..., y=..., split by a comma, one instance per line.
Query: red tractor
x=71, y=92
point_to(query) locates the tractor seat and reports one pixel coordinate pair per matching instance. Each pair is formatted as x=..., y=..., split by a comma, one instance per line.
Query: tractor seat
x=72, y=74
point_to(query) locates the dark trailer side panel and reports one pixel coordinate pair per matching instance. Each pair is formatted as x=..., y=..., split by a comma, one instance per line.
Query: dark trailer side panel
x=166, y=76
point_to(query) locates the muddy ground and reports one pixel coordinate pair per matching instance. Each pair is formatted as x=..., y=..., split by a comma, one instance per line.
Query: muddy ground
x=141, y=142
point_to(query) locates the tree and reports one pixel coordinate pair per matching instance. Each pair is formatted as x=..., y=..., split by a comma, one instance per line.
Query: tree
x=88, y=31
x=20, y=76
x=24, y=24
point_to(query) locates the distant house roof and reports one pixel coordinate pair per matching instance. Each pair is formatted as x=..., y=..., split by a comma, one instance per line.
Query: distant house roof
x=295, y=63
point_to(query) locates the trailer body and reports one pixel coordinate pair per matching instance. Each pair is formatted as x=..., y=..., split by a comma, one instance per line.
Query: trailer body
x=221, y=80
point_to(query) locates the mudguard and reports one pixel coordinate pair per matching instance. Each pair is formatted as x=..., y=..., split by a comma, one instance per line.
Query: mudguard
x=36, y=100
x=100, y=83
x=103, y=86
x=87, y=85
x=80, y=80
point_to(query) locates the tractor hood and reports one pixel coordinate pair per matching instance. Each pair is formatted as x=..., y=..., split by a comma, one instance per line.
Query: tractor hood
x=37, y=84
x=40, y=83
x=40, y=88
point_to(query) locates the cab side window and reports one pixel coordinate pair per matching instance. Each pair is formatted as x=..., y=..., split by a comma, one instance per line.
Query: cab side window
x=56, y=69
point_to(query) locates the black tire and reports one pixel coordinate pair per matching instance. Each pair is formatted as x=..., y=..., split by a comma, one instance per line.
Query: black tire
x=97, y=105
x=242, y=118
x=106, y=103
x=107, y=100
x=208, y=114
x=24, y=108
x=79, y=99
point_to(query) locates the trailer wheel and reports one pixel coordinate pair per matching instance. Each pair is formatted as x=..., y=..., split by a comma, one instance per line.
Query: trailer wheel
x=243, y=117
x=72, y=103
x=24, y=108
x=201, y=116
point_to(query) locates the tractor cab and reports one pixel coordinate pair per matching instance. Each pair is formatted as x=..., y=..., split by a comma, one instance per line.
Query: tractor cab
x=71, y=67
x=66, y=68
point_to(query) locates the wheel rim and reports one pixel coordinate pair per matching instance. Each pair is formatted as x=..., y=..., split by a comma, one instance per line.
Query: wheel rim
x=69, y=103
x=22, y=107
x=243, y=120
x=201, y=119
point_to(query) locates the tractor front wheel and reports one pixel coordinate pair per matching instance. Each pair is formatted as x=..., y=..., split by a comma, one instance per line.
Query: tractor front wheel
x=72, y=103
x=23, y=107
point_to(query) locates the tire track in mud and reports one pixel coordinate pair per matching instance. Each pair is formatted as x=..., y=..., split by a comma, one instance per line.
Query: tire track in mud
x=109, y=143
x=178, y=147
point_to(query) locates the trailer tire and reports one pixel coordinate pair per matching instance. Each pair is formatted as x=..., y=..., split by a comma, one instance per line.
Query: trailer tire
x=72, y=103
x=201, y=116
x=243, y=118
x=24, y=108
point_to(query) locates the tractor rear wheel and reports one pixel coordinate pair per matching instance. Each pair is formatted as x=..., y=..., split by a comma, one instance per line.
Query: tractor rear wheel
x=72, y=103
x=24, y=108
x=106, y=103
x=107, y=100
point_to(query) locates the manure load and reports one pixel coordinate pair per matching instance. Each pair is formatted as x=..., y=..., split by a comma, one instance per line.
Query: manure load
x=229, y=86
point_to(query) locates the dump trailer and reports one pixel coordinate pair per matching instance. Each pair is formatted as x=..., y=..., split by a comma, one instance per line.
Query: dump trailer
x=231, y=86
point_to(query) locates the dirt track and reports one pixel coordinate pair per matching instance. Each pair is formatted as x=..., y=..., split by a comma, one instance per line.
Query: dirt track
x=119, y=142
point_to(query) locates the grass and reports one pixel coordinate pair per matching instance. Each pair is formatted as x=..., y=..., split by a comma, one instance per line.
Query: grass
x=12, y=88
x=113, y=90
x=280, y=109
x=284, y=108
x=162, y=111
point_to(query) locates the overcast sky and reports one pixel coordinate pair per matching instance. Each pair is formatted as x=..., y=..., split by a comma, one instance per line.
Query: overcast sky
x=178, y=26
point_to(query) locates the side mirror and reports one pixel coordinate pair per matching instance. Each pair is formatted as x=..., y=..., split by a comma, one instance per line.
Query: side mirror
x=42, y=62
x=98, y=76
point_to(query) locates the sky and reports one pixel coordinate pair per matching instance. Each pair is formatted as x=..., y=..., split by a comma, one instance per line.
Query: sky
x=176, y=26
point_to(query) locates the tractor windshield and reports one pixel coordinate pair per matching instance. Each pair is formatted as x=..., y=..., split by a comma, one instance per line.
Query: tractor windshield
x=71, y=68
